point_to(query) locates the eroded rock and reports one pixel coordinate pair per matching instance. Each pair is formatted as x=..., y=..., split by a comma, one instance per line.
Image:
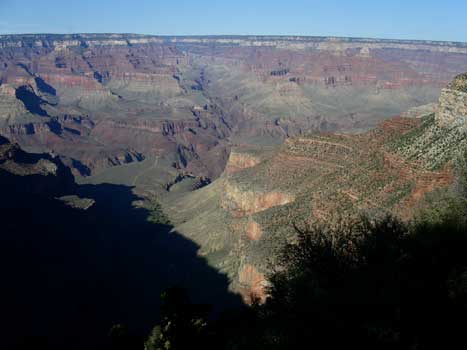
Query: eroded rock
x=452, y=108
x=252, y=283
x=254, y=230
x=239, y=161
x=241, y=203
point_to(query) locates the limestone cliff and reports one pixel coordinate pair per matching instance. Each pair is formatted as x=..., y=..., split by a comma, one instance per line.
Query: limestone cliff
x=452, y=108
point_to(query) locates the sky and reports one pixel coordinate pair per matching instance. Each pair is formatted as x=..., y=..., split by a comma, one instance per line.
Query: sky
x=409, y=19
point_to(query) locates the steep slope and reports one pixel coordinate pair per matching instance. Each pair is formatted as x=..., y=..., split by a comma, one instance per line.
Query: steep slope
x=320, y=176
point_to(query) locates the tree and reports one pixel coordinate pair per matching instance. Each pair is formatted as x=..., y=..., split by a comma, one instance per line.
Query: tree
x=372, y=284
x=183, y=324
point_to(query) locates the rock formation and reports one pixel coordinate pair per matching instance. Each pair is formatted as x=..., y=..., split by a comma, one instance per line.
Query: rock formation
x=452, y=108
x=32, y=174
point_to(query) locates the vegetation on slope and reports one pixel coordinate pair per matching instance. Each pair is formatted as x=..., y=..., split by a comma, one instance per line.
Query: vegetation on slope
x=431, y=144
x=157, y=215
x=370, y=283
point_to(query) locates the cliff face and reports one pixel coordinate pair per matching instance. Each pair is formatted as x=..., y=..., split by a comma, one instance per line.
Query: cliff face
x=62, y=42
x=10, y=106
x=238, y=161
x=452, y=108
x=241, y=203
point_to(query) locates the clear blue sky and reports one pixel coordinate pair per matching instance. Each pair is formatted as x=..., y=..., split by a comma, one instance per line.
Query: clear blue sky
x=409, y=19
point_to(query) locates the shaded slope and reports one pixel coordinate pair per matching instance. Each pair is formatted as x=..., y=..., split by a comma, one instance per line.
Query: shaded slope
x=68, y=275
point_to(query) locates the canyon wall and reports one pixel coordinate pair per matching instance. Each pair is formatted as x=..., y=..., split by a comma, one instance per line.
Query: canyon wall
x=110, y=99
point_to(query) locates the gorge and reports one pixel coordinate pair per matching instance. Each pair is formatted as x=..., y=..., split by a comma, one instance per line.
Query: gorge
x=137, y=162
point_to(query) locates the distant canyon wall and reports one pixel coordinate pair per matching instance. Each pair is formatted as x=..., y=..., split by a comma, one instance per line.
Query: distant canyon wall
x=61, y=42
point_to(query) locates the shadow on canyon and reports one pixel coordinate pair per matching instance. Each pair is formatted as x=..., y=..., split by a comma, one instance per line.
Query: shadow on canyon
x=68, y=275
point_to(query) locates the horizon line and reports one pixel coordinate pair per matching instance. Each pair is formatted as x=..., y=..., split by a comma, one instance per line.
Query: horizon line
x=231, y=36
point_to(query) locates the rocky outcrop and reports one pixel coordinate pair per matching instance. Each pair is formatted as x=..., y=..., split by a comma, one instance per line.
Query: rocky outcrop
x=75, y=202
x=444, y=135
x=71, y=81
x=238, y=161
x=452, y=107
x=246, y=202
x=38, y=174
x=252, y=284
x=37, y=128
x=254, y=230
x=459, y=83
x=10, y=106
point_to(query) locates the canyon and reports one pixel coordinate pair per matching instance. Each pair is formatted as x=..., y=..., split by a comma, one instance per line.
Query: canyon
x=100, y=101
x=194, y=157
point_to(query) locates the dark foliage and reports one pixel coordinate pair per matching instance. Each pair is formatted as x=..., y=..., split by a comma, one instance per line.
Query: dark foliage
x=368, y=284
x=183, y=323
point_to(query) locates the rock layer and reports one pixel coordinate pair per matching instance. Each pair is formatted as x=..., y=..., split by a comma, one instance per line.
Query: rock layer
x=199, y=91
x=241, y=203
